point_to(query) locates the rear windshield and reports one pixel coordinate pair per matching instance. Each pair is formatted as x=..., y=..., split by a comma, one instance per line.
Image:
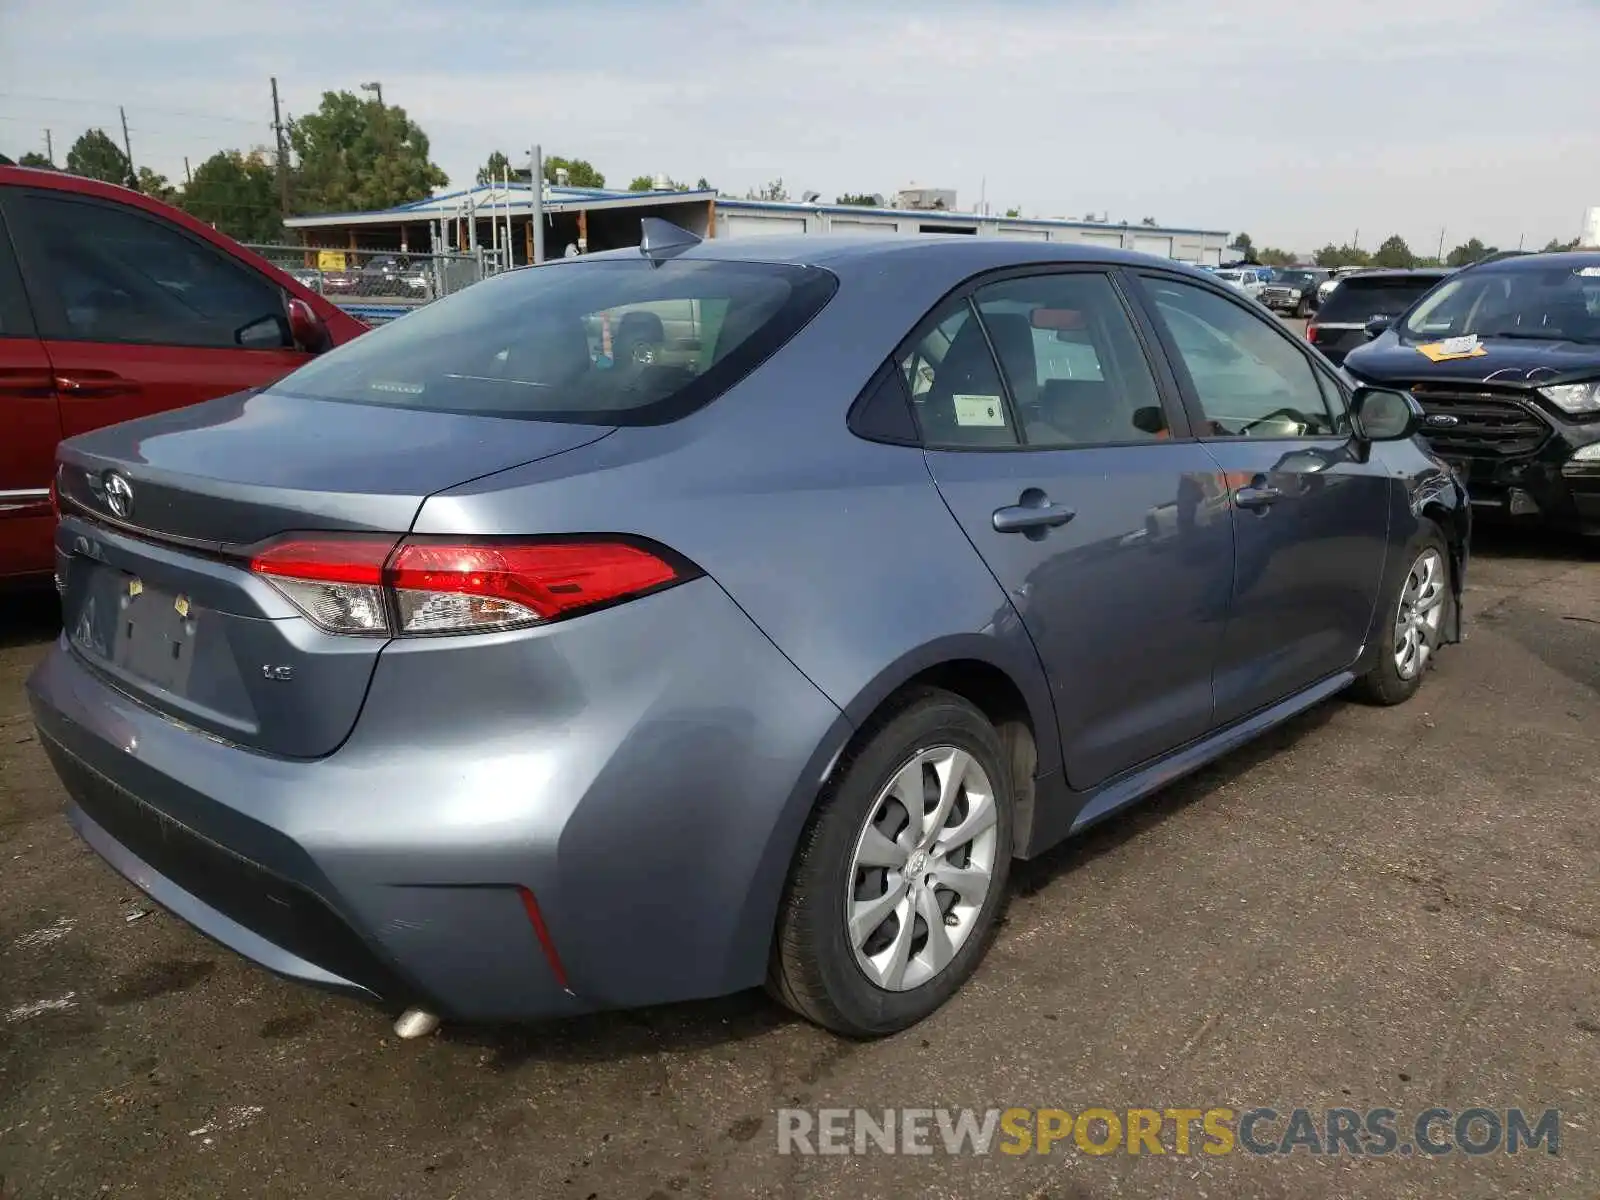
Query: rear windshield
x=1358, y=300
x=603, y=342
x=1553, y=303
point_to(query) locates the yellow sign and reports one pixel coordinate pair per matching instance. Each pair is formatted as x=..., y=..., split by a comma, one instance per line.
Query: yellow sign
x=330, y=260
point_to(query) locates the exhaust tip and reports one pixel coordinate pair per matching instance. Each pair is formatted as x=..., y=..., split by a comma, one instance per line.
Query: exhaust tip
x=415, y=1023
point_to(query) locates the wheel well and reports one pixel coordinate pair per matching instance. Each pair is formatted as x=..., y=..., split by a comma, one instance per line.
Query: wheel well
x=994, y=694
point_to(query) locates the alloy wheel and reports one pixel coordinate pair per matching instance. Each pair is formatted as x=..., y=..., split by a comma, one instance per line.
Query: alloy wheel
x=922, y=868
x=1421, y=610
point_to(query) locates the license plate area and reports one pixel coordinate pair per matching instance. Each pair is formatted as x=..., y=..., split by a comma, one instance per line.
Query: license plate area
x=155, y=637
x=147, y=633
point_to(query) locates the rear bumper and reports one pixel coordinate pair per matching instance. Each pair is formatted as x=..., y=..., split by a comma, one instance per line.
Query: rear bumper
x=649, y=801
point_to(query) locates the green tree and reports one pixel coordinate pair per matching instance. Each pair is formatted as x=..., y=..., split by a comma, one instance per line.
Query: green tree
x=773, y=190
x=156, y=186
x=96, y=156
x=356, y=155
x=1341, y=256
x=1469, y=251
x=1150, y=221
x=238, y=193
x=641, y=183
x=1273, y=257
x=857, y=200
x=1244, y=243
x=1553, y=246
x=1013, y=212
x=1394, y=253
x=700, y=185
x=580, y=172
x=497, y=168
x=34, y=159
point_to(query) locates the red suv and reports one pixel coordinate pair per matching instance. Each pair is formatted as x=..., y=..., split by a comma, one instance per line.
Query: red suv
x=112, y=306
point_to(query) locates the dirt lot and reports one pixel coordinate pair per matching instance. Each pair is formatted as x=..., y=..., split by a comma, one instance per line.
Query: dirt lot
x=1394, y=908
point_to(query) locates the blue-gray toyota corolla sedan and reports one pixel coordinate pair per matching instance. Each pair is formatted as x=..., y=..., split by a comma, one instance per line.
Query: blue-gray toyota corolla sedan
x=654, y=624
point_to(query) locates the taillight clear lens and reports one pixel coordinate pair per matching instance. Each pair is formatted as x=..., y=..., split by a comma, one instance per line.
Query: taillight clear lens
x=454, y=587
x=336, y=582
x=343, y=584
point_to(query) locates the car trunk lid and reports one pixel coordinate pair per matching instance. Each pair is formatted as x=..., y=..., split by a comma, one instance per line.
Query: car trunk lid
x=159, y=517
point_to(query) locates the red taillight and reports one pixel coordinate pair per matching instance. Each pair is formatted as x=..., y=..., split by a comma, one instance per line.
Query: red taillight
x=336, y=581
x=1311, y=334
x=369, y=585
x=445, y=586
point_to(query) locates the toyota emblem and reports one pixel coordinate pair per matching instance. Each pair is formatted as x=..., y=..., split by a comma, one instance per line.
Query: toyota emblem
x=119, y=495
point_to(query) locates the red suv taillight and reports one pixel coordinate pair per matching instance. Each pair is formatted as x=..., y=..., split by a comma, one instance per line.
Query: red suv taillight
x=383, y=586
x=1311, y=334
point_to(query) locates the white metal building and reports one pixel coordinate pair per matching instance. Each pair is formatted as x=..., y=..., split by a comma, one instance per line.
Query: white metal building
x=603, y=219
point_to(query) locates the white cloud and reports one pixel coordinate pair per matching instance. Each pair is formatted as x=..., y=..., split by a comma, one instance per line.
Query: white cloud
x=1298, y=124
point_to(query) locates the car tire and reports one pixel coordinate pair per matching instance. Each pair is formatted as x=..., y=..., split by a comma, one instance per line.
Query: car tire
x=818, y=967
x=1303, y=310
x=1389, y=681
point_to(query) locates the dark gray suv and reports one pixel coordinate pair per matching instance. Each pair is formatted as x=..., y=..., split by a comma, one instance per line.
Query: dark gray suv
x=502, y=664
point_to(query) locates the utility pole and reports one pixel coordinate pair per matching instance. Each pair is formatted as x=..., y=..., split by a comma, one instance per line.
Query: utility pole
x=187, y=177
x=127, y=148
x=283, y=151
x=538, y=204
x=49, y=148
x=1440, y=258
x=376, y=87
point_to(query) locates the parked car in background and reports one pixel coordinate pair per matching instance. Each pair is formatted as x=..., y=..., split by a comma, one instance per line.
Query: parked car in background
x=1327, y=285
x=1505, y=359
x=113, y=306
x=1294, y=290
x=1246, y=279
x=1340, y=324
x=475, y=670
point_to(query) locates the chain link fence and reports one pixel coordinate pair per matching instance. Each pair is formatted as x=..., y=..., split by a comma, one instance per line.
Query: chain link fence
x=378, y=285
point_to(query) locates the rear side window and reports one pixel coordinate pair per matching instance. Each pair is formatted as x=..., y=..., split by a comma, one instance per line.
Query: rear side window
x=114, y=274
x=605, y=342
x=1357, y=300
x=955, y=388
x=1076, y=370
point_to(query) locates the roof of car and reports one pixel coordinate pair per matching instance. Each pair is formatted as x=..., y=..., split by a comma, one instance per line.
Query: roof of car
x=1571, y=259
x=1402, y=273
x=942, y=253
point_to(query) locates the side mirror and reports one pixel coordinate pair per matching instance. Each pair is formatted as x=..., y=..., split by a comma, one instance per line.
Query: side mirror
x=1382, y=415
x=1377, y=326
x=270, y=332
x=309, y=332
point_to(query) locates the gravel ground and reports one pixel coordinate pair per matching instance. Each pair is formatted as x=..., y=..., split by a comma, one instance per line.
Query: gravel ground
x=1368, y=908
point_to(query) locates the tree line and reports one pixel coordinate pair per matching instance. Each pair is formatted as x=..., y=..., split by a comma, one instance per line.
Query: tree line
x=353, y=154
x=1392, y=252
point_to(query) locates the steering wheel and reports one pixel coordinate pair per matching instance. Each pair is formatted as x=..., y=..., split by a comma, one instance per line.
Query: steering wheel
x=1279, y=414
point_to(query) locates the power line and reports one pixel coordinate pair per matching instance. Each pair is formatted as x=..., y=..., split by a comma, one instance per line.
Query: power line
x=171, y=112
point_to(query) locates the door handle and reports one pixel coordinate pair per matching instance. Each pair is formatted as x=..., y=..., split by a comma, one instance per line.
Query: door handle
x=95, y=383
x=23, y=382
x=1257, y=497
x=1033, y=513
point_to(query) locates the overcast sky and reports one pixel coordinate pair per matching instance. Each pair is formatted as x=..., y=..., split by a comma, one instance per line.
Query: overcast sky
x=1298, y=123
